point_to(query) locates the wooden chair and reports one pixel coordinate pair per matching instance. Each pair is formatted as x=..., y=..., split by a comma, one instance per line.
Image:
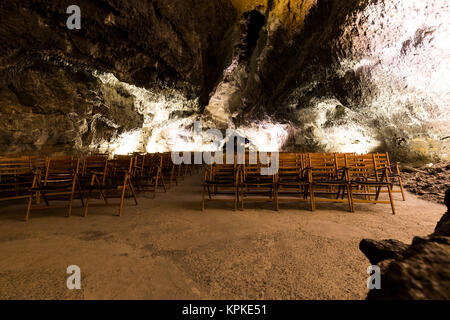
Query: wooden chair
x=362, y=173
x=59, y=182
x=253, y=185
x=325, y=180
x=116, y=183
x=94, y=168
x=381, y=160
x=94, y=165
x=221, y=181
x=292, y=183
x=147, y=173
x=169, y=170
x=17, y=180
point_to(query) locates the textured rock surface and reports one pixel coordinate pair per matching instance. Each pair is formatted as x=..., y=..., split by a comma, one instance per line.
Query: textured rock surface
x=49, y=100
x=428, y=182
x=344, y=75
x=420, y=271
x=50, y=107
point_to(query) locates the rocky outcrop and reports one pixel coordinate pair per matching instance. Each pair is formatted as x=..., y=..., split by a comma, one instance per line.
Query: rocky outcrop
x=419, y=271
x=50, y=99
x=428, y=182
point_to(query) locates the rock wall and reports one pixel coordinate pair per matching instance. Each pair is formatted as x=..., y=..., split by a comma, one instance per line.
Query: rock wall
x=50, y=99
x=341, y=75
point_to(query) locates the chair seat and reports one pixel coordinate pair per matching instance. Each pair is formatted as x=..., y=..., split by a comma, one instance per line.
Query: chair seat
x=293, y=183
x=144, y=177
x=374, y=183
x=52, y=188
x=329, y=182
x=220, y=182
x=103, y=187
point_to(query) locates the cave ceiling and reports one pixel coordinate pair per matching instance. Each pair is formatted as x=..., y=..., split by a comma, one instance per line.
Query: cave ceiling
x=315, y=75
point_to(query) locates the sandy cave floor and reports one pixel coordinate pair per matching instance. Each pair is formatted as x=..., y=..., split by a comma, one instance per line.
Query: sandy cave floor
x=167, y=248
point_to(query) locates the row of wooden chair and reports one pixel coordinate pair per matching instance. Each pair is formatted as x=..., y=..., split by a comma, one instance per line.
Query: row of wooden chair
x=67, y=178
x=305, y=177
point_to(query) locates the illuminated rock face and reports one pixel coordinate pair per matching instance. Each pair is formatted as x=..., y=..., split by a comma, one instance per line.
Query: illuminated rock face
x=50, y=102
x=379, y=82
x=342, y=75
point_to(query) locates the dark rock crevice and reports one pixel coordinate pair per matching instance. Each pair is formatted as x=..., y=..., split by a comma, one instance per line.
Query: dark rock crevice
x=418, y=271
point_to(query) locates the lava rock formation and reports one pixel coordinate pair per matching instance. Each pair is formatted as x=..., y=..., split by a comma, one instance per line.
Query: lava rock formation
x=342, y=75
x=419, y=271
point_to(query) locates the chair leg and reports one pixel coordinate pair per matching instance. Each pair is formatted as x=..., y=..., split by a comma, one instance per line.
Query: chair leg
x=401, y=188
x=390, y=199
x=203, y=198
x=209, y=192
x=378, y=193
x=30, y=199
x=235, y=199
x=350, y=199
x=27, y=214
x=156, y=186
x=338, y=192
x=122, y=198
x=163, y=182
x=79, y=192
x=350, y=196
x=312, y=198
x=277, y=208
x=130, y=185
x=87, y=203
x=69, y=214
x=47, y=203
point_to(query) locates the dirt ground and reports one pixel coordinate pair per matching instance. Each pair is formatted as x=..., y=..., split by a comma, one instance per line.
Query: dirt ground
x=167, y=248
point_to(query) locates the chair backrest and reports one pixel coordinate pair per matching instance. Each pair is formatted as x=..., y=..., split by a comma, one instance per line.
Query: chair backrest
x=340, y=160
x=93, y=164
x=38, y=162
x=61, y=169
x=322, y=166
x=381, y=160
x=16, y=177
x=222, y=172
x=289, y=165
x=167, y=163
x=148, y=163
x=15, y=166
x=250, y=169
x=120, y=165
x=153, y=161
x=360, y=166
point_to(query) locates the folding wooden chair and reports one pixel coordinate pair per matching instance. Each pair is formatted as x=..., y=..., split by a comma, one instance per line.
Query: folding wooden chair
x=361, y=172
x=169, y=170
x=60, y=181
x=292, y=183
x=381, y=160
x=253, y=185
x=325, y=180
x=16, y=180
x=147, y=173
x=221, y=181
x=115, y=184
